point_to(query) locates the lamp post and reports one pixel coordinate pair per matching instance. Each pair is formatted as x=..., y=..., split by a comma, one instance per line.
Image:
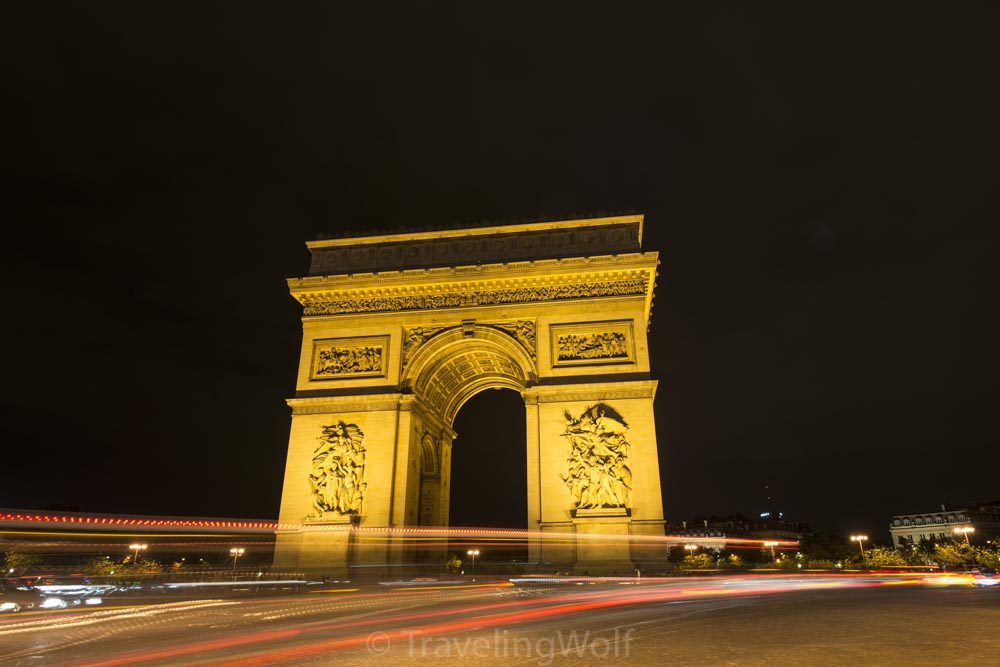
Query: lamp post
x=236, y=552
x=137, y=548
x=860, y=540
x=772, y=545
x=965, y=530
x=473, y=553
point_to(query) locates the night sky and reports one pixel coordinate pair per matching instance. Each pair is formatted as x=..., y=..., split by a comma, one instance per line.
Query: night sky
x=817, y=183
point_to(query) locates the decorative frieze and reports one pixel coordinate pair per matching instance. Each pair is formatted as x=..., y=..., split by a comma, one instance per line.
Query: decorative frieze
x=469, y=295
x=593, y=343
x=344, y=358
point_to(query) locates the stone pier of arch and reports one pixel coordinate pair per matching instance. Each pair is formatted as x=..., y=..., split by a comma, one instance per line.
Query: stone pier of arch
x=400, y=330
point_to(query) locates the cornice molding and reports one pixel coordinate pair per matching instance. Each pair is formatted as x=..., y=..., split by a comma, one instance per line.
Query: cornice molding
x=561, y=393
x=337, y=404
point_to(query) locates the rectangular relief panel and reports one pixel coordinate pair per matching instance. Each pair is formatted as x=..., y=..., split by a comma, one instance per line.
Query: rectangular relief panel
x=347, y=358
x=591, y=343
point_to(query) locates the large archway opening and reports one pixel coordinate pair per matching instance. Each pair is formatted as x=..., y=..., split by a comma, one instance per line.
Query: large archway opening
x=489, y=482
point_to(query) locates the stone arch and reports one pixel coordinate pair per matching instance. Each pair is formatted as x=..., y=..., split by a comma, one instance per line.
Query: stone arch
x=428, y=455
x=401, y=330
x=456, y=364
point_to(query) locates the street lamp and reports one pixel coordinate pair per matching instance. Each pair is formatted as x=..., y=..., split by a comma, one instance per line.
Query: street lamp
x=691, y=548
x=473, y=553
x=860, y=539
x=236, y=552
x=965, y=530
x=772, y=545
x=137, y=548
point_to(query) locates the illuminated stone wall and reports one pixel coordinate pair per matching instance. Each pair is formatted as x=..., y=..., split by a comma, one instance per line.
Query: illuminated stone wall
x=398, y=333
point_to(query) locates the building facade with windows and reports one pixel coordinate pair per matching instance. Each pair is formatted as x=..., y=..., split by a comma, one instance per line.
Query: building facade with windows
x=766, y=526
x=980, y=522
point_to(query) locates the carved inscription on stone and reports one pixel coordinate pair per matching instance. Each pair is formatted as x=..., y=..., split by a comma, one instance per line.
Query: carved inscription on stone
x=592, y=343
x=617, y=235
x=337, y=479
x=349, y=357
x=598, y=475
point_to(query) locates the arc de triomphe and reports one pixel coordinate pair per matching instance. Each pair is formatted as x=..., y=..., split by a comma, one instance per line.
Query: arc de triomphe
x=400, y=330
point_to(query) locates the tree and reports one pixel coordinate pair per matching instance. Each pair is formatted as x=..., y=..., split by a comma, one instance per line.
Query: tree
x=827, y=548
x=951, y=554
x=732, y=561
x=987, y=555
x=104, y=566
x=883, y=557
x=697, y=562
x=145, y=566
x=454, y=564
x=19, y=562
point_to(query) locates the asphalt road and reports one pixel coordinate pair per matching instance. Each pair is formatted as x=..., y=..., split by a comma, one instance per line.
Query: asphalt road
x=712, y=621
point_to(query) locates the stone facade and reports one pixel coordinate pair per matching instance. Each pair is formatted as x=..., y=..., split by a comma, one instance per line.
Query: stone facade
x=981, y=520
x=400, y=330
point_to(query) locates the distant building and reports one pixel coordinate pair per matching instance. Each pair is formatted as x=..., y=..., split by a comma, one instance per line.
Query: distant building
x=766, y=526
x=948, y=523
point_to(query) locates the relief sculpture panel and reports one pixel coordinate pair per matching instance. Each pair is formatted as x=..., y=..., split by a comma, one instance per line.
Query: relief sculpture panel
x=523, y=331
x=414, y=337
x=592, y=343
x=337, y=478
x=349, y=357
x=598, y=474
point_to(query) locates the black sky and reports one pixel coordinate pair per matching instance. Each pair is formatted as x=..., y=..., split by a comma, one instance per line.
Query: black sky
x=817, y=183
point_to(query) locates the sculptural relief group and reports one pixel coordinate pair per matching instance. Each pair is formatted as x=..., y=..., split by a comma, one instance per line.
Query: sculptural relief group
x=607, y=345
x=349, y=360
x=338, y=470
x=598, y=473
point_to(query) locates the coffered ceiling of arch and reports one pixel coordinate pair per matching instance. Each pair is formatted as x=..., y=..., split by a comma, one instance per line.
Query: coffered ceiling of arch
x=446, y=383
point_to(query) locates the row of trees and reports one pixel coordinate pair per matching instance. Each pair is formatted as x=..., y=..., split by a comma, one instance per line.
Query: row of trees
x=18, y=563
x=832, y=553
x=947, y=553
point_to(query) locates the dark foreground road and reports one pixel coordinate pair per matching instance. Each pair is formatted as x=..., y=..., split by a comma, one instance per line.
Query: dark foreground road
x=723, y=621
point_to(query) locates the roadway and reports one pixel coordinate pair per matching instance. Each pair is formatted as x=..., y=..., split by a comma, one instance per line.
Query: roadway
x=751, y=620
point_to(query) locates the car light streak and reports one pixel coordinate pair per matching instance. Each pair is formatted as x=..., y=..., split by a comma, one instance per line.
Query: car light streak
x=25, y=520
x=493, y=620
x=404, y=626
x=63, y=621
